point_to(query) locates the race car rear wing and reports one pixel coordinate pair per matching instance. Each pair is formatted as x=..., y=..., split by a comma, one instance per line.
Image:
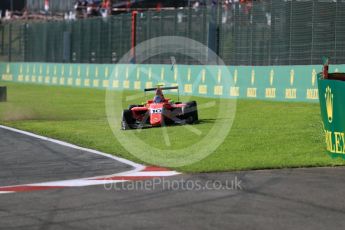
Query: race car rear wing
x=162, y=88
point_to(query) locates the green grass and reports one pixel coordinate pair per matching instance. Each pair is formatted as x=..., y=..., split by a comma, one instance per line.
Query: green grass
x=265, y=134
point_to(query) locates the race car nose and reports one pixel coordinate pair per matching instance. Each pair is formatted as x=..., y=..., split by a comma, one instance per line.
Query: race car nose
x=156, y=119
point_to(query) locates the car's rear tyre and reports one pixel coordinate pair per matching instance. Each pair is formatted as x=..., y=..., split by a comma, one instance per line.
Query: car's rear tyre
x=191, y=112
x=127, y=120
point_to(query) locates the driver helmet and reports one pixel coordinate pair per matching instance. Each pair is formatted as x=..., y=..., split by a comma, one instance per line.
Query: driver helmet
x=157, y=99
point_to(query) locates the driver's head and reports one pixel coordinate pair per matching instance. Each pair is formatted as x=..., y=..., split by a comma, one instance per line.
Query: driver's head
x=159, y=96
x=157, y=99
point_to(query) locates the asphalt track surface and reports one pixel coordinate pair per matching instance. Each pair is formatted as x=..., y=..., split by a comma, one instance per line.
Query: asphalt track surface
x=265, y=199
x=26, y=159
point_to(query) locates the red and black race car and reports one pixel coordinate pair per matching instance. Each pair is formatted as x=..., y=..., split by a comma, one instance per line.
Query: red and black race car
x=160, y=111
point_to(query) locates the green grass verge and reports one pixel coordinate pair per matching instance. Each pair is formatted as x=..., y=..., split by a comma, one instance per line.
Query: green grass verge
x=265, y=134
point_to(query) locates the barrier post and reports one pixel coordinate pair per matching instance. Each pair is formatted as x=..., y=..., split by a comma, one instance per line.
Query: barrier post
x=133, y=35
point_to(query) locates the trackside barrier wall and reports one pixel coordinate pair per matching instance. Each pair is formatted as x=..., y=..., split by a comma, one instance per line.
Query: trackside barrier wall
x=283, y=83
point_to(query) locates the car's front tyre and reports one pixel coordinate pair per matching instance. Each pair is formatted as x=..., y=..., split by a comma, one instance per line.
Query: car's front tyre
x=127, y=120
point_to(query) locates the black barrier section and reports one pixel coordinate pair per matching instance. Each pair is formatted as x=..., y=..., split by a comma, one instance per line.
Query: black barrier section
x=3, y=93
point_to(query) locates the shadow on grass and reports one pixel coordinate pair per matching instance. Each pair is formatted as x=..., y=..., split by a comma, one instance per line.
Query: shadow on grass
x=147, y=126
x=206, y=121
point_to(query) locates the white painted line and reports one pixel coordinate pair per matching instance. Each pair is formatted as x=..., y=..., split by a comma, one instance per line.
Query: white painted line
x=76, y=183
x=153, y=174
x=1, y=192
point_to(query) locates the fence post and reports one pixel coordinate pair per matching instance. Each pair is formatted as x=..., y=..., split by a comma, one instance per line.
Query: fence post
x=271, y=34
x=189, y=33
x=312, y=33
x=22, y=41
x=2, y=39
x=149, y=22
x=10, y=42
x=110, y=39
x=219, y=24
x=133, y=35
x=335, y=32
x=290, y=33
x=204, y=29
x=122, y=25
x=251, y=38
x=213, y=30
x=161, y=29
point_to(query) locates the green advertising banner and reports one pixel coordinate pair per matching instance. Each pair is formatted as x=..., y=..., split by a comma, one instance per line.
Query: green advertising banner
x=332, y=97
x=283, y=83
